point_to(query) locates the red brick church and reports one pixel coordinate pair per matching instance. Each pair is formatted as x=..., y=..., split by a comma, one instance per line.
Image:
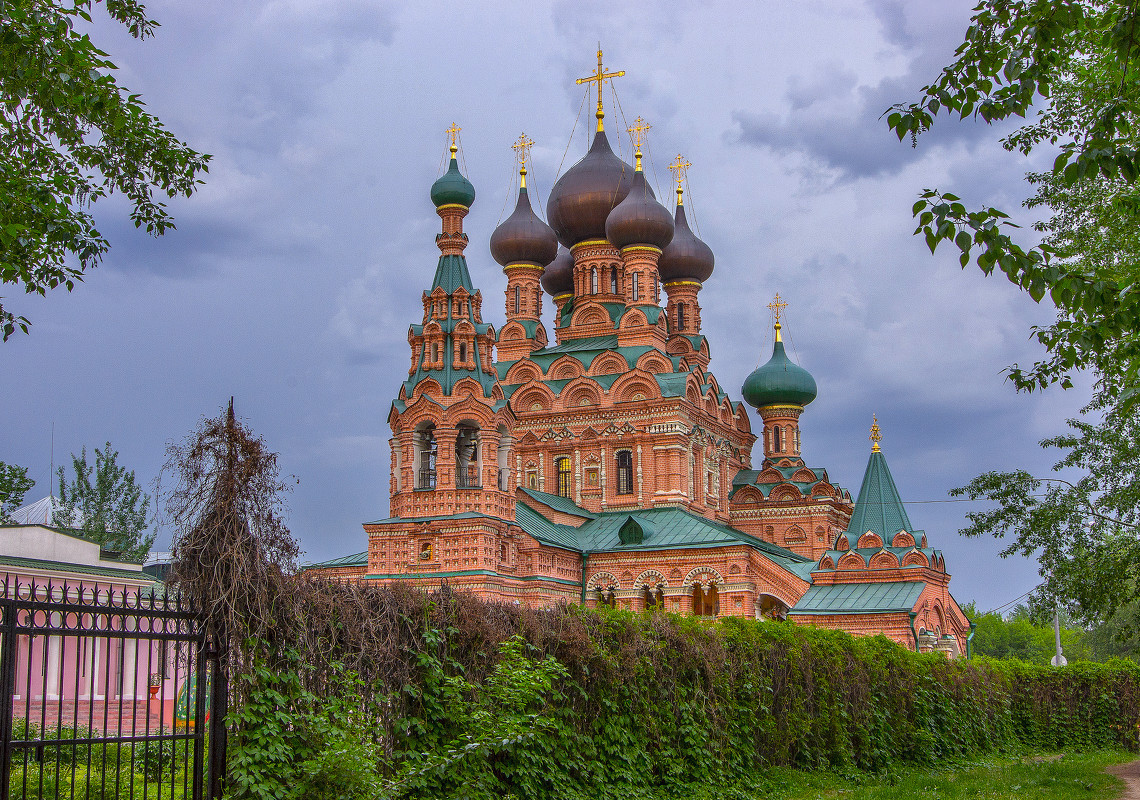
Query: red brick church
x=609, y=467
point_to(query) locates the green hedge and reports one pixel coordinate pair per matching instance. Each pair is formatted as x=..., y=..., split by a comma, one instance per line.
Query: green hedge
x=575, y=703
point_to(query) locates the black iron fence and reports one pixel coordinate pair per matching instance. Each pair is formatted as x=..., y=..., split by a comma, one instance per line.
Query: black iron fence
x=106, y=692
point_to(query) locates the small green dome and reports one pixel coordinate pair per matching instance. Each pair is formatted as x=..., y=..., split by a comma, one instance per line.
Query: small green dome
x=779, y=382
x=452, y=188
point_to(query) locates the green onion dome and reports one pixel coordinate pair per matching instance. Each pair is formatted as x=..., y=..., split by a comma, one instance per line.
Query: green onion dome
x=452, y=188
x=587, y=192
x=559, y=276
x=639, y=218
x=779, y=382
x=523, y=238
x=686, y=258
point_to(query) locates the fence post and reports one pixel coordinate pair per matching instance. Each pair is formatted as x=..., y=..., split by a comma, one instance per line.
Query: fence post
x=7, y=688
x=219, y=708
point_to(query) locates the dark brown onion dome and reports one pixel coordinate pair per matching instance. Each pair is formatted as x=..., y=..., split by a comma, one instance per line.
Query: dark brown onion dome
x=639, y=218
x=587, y=192
x=559, y=276
x=523, y=238
x=686, y=258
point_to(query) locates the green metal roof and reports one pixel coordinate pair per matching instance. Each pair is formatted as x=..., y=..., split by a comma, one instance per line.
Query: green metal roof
x=452, y=187
x=780, y=381
x=559, y=503
x=451, y=273
x=859, y=598
x=545, y=531
x=879, y=507
x=354, y=560
x=576, y=345
x=80, y=569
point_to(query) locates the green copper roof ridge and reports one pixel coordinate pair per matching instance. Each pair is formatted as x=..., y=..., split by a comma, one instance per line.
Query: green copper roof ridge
x=879, y=507
x=450, y=273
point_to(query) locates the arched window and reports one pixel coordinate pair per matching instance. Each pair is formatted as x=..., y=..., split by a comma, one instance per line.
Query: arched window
x=606, y=597
x=656, y=294
x=463, y=352
x=467, y=457
x=435, y=352
x=777, y=439
x=425, y=452
x=636, y=296
x=613, y=280
x=706, y=603
x=518, y=299
x=680, y=316
x=593, y=280
x=562, y=469
x=624, y=472
x=654, y=597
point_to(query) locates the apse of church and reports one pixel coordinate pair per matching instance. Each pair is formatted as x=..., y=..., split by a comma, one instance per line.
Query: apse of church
x=601, y=462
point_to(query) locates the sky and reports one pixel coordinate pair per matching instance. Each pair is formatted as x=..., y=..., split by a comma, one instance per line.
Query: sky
x=297, y=267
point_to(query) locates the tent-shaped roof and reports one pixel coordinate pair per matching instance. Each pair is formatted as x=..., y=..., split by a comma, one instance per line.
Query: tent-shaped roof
x=879, y=507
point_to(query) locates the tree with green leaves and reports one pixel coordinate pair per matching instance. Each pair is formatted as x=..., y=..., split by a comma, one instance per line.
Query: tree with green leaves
x=105, y=503
x=1074, y=67
x=72, y=135
x=14, y=484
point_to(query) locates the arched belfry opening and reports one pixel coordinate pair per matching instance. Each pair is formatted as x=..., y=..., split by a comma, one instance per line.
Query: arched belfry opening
x=467, y=456
x=425, y=455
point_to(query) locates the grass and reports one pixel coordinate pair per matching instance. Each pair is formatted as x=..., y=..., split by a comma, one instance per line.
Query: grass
x=1067, y=777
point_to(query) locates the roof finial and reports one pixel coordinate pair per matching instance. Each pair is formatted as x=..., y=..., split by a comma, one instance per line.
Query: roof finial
x=637, y=133
x=875, y=436
x=453, y=134
x=777, y=307
x=522, y=153
x=680, y=170
x=600, y=77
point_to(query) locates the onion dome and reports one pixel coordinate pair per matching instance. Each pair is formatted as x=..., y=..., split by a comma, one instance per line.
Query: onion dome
x=559, y=276
x=523, y=237
x=587, y=192
x=452, y=188
x=639, y=218
x=779, y=382
x=686, y=258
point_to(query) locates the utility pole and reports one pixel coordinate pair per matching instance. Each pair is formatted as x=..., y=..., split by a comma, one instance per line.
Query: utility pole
x=1057, y=660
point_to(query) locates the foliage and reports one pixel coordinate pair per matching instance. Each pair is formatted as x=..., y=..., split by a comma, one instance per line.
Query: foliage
x=1083, y=531
x=71, y=136
x=14, y=484
x=1080, y=55
x=1017, y=635
x=106, y=504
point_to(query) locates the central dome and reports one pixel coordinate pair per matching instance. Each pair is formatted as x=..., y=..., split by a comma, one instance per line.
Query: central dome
x=586, y=194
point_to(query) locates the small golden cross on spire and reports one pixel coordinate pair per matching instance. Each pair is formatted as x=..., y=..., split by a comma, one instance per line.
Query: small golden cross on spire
x=600, y=77
x=522, y=153
x=453, y=135
x=875, y=436
x=680, y=170
x=777, y=306
x=637, y=133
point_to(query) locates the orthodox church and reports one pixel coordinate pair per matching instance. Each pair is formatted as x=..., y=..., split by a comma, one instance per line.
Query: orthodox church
x=609, y=466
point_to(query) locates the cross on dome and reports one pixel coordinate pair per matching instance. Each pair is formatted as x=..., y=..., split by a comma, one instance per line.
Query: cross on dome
x=453, y=135
x=637, y=132
x=522, y=153
x=680, y=170
x=600, y=76
x=777, y=307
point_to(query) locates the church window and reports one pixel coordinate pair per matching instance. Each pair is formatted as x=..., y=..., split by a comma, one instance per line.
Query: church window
x=613, y=280
x=594, y=280
x=562, y=469
x=607, y=597
x=680, y=316
x=656, y=294
x=426, y=551
x=518, y=299
x=503, y=552
x=435, y=352
x=777, y=439
x=624, y=472
x=654, y=597
x=796, y=433
x=463, y=352
x=636, y=296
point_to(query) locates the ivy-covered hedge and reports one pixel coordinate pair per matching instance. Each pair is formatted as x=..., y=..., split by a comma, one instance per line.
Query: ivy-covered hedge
x=496, y=701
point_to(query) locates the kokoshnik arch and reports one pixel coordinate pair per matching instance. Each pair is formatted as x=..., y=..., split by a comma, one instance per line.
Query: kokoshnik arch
x=609, y=467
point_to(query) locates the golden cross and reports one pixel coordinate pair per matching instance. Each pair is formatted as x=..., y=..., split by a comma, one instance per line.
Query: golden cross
x=778, y=307
x=600, y=77
x=522, y=153
x=680, y=170
x=453, y=134
x=637, y=133
x=875, y=436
